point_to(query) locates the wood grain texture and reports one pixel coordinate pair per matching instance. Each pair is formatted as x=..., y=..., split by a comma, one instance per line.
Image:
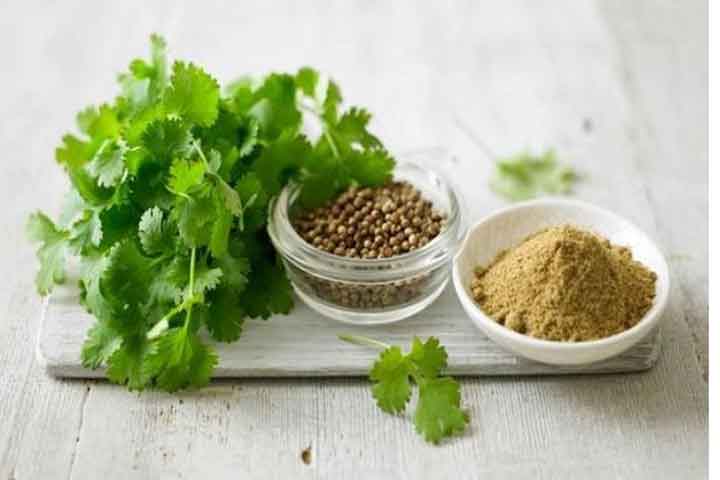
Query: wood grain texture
x=275, y=349
x=618, y=88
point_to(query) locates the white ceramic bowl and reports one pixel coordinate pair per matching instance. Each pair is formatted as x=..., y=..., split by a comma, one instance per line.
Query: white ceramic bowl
x=509, y=227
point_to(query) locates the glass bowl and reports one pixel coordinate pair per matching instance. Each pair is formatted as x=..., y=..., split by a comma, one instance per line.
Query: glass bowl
x=370, y=291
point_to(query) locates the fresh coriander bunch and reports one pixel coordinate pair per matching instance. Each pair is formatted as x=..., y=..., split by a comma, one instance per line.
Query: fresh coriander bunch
x=167, y=210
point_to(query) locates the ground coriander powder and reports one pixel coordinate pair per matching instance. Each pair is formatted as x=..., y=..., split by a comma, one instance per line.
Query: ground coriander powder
x=565, y=284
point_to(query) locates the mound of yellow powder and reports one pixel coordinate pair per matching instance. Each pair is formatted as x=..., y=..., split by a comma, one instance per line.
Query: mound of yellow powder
x=565, y=284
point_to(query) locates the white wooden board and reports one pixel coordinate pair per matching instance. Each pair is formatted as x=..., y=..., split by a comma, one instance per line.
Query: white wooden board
x=305, y=344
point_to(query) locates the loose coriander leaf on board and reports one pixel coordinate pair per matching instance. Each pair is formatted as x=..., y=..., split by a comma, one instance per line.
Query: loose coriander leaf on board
x=429, y=357
x=438, y=413
x=525, y=176
x=392, y=385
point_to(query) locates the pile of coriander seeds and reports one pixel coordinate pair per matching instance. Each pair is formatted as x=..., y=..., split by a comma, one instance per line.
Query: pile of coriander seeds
x=371, y=223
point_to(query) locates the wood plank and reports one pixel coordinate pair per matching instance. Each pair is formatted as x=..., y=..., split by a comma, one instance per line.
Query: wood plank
x=305, y=344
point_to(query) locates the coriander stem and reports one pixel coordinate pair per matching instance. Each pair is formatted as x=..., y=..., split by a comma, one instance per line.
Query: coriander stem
x=331, y=142
x=363, y=341
x=191, y=287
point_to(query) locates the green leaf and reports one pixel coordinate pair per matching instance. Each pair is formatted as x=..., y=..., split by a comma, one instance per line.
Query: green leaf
x=92, y=268
x=370, y=168
x=52, y=251
x=99, y=123
x=525, y=176
x=254, y=200
x=268, y=291
x=274, y=107
x=73, y=155
x=226, y=315
x=281, y=160
x=87, y=230
x=125, y=365
x=333, y=98
x=193, y=94
x=235, y=271
x=307, y=80
x=430, y=357
x=392, y=386
x=195, y=217
x=108, y=164
x=179, y=360
x=352, y=129
x=438, y=413
x=170, y=282
x=155, y=233
x=100, y=344
x=165, y=139
x=220, y=233
x=206, y=278
x=125, y=283
x=185, y=175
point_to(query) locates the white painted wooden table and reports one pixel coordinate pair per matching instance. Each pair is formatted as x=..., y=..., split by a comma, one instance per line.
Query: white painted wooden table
x=619, y=88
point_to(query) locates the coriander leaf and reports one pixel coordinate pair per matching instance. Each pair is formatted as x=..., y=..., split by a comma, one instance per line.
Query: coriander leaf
x=392, y=387
x=235, y=271
x=525, y=176
x=125, y=283
x=230, y=197
x=170, y=281
x=158, y=59
x=220, y=233
x=155, y=233
x=255, y=201
x=99, y=122
x=352, y=129
x=429, y=357
x=100, y=344
x=87, y=230
x=225, y=318
x=206, y=278
x=52, y=251
x=274, y=106
x=306, y=80
x=166, y=139
x=186, y=175
x=438, y=413
x=125, y=365
x=108, y=164
x=370, y=168
x=73, y=155
x=72, y=210
x=195, y=217
x=193, y=94
x=280, y=160
x=178, y=360
x=92, y=268
x=268, y=290
x=333, y=98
